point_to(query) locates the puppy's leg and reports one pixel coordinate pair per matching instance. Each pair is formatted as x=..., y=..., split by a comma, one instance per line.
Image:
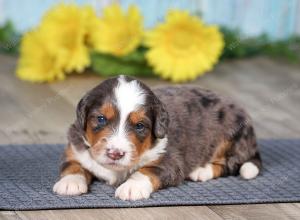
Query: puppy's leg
x=148, y=179
x=245, y=158
x=139, y=186
x=239, y=155
x=209, y=171
x=216, y=167
x=74, y=179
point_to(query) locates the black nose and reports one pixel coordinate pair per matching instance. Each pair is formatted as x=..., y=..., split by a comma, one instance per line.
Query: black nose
x=114, y=154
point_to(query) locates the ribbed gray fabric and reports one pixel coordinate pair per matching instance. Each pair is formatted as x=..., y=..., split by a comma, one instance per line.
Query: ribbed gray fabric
x=28, y=172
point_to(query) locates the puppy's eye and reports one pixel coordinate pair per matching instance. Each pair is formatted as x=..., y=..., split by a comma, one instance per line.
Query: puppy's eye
x=102, y=121
x=139, y=127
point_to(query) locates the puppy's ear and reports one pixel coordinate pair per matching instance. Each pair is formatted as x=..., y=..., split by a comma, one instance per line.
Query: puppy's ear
x=161, y=119
x=81, y=112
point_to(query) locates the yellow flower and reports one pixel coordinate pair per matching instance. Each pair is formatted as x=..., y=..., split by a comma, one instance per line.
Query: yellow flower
x=183, y=47
x=37, y=63
x=92, y=27
x=121, y=32
x=70, y=29
x=60, y=44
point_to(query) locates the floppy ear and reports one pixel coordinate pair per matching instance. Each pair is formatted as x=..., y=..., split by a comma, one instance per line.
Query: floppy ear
x=81, y=112
x=161, y=119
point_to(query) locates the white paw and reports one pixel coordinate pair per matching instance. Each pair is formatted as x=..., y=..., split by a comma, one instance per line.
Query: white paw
x=138, y=186
x=202, y=173
x=71, y=185
x=249, y=170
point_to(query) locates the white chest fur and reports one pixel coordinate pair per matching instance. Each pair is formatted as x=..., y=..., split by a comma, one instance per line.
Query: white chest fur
x=115, y=177
x=110, y=176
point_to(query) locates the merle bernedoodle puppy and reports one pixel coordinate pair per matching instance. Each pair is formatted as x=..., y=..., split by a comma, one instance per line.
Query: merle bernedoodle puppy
x=142, y=140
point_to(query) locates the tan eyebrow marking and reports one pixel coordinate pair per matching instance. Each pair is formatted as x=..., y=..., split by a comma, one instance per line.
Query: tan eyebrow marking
x=137, y=116
x=108, y=110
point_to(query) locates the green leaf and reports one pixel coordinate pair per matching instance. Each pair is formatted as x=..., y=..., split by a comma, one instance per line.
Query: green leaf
x=238, y=47
x=9, y=39
x=133, y=64
x=288, y=49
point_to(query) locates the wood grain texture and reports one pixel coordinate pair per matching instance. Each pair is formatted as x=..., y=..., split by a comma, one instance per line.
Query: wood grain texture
x=192, y=212
x=9, y=215
x=258, y=212
x=268, y=89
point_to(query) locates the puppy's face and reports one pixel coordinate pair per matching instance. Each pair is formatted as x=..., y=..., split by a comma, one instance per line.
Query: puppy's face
x=121, y=119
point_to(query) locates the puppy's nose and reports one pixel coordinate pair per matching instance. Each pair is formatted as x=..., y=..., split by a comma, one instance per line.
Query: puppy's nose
x=114, y=154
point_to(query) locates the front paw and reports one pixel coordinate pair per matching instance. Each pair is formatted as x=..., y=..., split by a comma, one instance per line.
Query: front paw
x=202, y=173
x=71, y=185
x=138, y=186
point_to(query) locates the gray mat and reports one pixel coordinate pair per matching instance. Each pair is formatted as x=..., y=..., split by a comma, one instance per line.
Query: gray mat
x=28, y=172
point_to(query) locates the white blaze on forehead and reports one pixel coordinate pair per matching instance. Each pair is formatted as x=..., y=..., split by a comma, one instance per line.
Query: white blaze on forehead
x=129, y=96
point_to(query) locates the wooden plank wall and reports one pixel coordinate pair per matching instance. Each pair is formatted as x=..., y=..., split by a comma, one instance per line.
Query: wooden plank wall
x=298, y=18
x=277, y=18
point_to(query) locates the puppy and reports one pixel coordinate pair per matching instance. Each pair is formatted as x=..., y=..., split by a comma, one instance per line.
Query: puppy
x=142, y=140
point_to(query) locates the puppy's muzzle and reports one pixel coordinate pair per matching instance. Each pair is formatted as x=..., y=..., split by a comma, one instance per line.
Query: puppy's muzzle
x=115, y=154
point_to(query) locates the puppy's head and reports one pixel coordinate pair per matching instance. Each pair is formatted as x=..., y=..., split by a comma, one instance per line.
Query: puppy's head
x=120, y=120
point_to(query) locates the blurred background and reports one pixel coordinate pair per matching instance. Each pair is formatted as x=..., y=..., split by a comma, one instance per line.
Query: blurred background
x=277, y=18
x=53, y=51
x=250, y=54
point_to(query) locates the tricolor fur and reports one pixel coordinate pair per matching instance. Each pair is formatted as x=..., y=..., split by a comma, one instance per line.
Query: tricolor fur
x=142, y=140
